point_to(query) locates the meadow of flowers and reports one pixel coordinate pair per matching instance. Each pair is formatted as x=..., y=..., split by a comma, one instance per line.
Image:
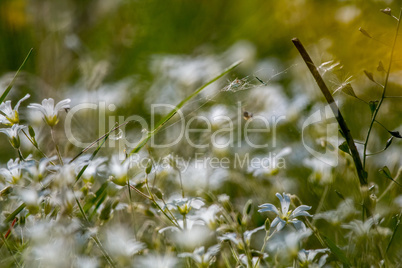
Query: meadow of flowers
x=223, y=159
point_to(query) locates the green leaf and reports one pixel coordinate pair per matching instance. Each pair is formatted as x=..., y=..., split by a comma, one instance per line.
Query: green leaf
x=14, y=213
x=387, y=174
x=262, y=82
x=396, y=134
x=380, y=67
x=336, y=251
x=386, y=11
x=9, y=87
x=267, y=225
x=365, y=32
x=149, y=167
x=31, y=131
x=340, y=195
x=389, y=141
x=398, y=222
x=102, y=198
x=98, y=196
x=369, y=75
x=248, y=207
x=157, y=192
x=373, y=105
x=348, y=89
x=344, y=147
x=6, y=191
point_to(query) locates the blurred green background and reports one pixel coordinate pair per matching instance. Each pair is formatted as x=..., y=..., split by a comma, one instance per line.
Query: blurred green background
x=127, y=33
x=78, y=46
x=98, y=46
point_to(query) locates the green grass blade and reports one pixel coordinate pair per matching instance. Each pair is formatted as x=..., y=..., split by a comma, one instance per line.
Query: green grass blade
x=100, y=200
x=5, y=93
x=97, y=140
x=105, y=137
x=14, y=213
x=398, y=222
x=340, y=255
x=96, y=198
x=179, y=106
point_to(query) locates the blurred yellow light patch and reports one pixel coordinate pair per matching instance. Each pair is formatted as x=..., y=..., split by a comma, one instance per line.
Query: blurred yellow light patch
x=13, y=13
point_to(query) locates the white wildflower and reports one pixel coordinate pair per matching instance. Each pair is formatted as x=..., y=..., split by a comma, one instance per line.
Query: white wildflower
x=8, y=115
x=286, y=216
x=12, y=134
x=202, y=258
x=49, y=110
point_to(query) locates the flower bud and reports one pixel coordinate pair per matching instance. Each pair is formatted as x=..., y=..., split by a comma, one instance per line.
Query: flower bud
x=149, y=167
x=267, y=225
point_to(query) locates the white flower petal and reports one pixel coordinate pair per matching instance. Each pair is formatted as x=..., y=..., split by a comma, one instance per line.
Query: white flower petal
x=285, y=204
x=62, y=105
x=301, y=211
x=281, y=224
x=268, y=207
x=299, y=225
x=275, y=222
x=21, y=100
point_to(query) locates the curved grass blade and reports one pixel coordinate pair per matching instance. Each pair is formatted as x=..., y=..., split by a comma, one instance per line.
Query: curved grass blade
x=99, y=202
x=398, y=222
x=340, y=255
x=93, y=143
x=96, y=198
x=105, y=137
x=15, y=213
x=178, y=107
x=5, y=93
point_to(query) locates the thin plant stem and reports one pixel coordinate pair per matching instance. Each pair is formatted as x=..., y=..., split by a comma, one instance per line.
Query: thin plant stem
x=383, y=150
x=398, y=222
x=266, y=238
x=104, y=137
x=321, y=203
x=168, y=210
x=381, y=125
x=10, y=229
x=152, y=199
x=373, y=118
x=140, y=193
x=10, y=86
x=81, y=210
x=57, y=147
x=234, y=254
x=315, y=231
x=94, y=237
x=20, y=155
x=178, y=107
x=390, y=185
x=37, y=148
x=225, y=258
x=246, y=248
x=362, y=174
x=184, y=222
x=181, y=183
x=167, y=216
x=9, y=249
x=104, y=252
